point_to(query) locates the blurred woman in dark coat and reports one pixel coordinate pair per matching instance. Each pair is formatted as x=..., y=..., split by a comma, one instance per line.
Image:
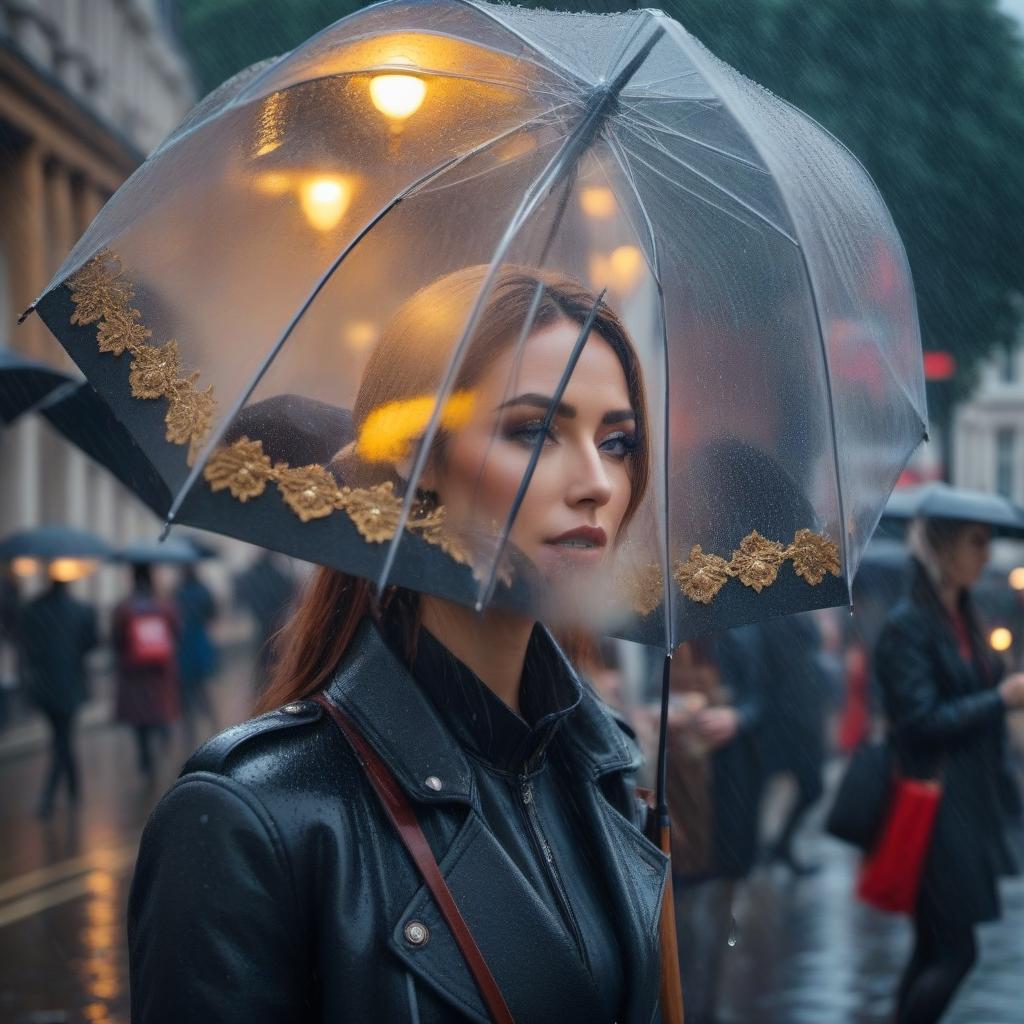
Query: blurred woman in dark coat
x=947, y=710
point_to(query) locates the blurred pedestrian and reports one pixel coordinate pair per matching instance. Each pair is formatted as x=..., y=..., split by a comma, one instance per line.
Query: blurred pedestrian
x=9, y=601
x=792, y=736
x=55, y=633
x=946, y=709
x=197, y=655
x=266, y=589
x=145, y=637
x=714, y=791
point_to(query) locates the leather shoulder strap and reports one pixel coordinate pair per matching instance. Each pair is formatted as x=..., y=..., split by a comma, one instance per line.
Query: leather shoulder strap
x=403, y=817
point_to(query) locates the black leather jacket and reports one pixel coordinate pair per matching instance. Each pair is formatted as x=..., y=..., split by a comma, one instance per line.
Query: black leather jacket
x=271, y=888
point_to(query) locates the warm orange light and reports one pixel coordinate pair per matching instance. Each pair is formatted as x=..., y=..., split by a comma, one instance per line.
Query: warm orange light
x=625, y=263
x=388, y=433
x=1016, y=578
x=324, y=200
x=24, y=567
x=67, y=570
x=273, y=183
x=397, y=96
x=1000, y=639
x=360, y=335
x=598, y=202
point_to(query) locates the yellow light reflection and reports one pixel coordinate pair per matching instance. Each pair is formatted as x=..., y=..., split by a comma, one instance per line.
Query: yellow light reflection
x=397, y=96
x=361, y=335
x=388, y=432
x=324, y=200
x=273, y=183
x=67, y=570
x=626, y=262
x=1000, y=639
x=24, y=566
x=598, y=202
x=1016, y=578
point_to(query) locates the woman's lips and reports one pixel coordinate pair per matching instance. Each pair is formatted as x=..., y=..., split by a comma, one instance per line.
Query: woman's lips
x=583, y=538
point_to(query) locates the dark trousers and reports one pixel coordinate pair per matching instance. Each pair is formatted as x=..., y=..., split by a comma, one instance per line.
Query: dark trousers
x=62, y=759
x=943, y=956
x=144, y=746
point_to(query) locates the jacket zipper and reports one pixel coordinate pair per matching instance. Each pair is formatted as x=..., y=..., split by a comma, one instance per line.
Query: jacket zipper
x=543, y=848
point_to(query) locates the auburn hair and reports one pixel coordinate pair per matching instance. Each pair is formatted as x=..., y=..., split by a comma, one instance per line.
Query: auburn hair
x=409, y=361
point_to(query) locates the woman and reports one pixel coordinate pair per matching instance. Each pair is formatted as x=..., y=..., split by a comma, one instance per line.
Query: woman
x=947, y=715
x=271, y=887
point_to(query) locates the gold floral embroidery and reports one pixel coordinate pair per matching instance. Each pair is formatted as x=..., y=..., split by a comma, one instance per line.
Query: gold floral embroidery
x=374, y=510
x=154, y=371
x=243, y=468
x=644, y=588
x=755, y=563
x=309, y=491
x=813, y=556
x=120, y=331
x=103, y=296
x=701, y=576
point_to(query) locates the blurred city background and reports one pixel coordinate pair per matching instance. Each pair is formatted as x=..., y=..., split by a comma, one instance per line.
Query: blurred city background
x=929, y=94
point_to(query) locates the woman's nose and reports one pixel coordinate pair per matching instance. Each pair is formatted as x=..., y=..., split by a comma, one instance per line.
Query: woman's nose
x=588, y=480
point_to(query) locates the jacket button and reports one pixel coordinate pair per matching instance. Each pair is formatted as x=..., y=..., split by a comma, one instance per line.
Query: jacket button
x=294, y=709
x=433, y=782
x=416, y=933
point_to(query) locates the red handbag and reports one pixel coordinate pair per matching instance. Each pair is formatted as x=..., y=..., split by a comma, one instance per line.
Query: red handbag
x=890, y=875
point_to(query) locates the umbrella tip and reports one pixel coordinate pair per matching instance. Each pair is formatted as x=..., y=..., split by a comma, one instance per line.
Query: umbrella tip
x=168, y=523
x=28, y=312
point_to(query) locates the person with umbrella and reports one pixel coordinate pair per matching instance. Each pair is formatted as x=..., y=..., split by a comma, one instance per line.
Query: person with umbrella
x=947, y=709
x=466, y=841
x=55, y=633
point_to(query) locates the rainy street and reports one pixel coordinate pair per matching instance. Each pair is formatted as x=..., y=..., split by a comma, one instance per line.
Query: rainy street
x=805, y=951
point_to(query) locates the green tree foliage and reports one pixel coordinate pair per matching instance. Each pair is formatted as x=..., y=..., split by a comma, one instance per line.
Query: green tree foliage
x=928, y=93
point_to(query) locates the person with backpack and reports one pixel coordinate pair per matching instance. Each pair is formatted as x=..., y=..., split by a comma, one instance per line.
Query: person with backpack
x=146, y=631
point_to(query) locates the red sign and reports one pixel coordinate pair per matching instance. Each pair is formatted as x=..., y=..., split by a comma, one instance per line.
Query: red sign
x=939, y=366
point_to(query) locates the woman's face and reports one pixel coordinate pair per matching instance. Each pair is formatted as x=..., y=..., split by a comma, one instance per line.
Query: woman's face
x=580, y=490
x=963, y=560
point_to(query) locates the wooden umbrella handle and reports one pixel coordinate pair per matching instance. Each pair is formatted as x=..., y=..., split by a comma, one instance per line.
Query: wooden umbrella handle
x=671, y=986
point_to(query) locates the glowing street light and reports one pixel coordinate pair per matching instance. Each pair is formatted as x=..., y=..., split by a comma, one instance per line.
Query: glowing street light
x=324, y=200
x=1016, y=578
x=24, y=567
x=1000, y=639
x=397, y=96
x=598, y=202
x=67, y=570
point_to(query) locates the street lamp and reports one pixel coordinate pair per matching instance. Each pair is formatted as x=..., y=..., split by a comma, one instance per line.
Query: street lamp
x=1000, y=639
x=397, y=96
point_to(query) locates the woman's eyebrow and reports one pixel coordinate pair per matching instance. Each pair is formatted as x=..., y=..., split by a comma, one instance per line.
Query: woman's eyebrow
x=564, y=409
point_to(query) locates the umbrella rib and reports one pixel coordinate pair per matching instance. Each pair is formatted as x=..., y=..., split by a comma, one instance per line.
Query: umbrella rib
x=593, y=118
x=549, y=415
x=732, y=214
x=654, y=125
x=264, y=365
x=752, y=210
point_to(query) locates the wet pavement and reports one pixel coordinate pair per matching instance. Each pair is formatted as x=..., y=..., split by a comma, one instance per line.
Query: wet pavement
x=806, y=953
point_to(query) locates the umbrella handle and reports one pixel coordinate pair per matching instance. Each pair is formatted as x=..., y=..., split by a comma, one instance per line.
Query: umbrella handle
x=671, y=986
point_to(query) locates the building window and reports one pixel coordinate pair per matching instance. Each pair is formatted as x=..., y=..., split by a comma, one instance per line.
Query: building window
x=1006, y=445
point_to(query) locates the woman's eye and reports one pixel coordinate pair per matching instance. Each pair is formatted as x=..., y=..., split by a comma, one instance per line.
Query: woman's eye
x=528, y=434
x=619, y=445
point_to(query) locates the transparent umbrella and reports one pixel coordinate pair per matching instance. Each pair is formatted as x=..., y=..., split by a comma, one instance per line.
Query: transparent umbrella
x=358, y=222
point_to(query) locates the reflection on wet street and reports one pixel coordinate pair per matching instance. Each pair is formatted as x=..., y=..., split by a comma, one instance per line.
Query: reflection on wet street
x=806, y=952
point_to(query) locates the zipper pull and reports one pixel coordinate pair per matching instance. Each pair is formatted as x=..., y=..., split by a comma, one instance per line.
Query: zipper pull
x=526, y=791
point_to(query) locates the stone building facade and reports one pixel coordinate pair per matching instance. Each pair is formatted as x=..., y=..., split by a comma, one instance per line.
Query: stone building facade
x=87, y=89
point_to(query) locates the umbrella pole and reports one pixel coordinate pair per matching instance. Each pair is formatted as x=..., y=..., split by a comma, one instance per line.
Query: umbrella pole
x=671, y=985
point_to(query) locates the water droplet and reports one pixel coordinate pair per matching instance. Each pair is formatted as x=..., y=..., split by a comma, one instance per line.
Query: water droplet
x=733, y=932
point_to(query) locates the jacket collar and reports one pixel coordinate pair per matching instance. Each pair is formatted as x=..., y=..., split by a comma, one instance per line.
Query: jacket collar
x=402, y=724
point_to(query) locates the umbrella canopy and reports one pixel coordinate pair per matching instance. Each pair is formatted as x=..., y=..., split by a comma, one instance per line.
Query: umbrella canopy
x=173, y=551
x=48, y=543
x=389, y=217
x=941, y=501
x=24, y=383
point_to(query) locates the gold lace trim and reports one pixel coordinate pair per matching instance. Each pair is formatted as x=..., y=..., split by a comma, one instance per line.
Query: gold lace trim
x=755, y=563
x=103, y=296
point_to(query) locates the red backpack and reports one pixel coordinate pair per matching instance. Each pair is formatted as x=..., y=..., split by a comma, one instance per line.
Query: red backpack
x=148, y=642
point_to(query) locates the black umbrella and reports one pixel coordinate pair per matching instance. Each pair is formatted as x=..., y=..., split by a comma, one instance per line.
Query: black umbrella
x=24, y=383
x=173, y=551
x=51, y=542
x=941, y=501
